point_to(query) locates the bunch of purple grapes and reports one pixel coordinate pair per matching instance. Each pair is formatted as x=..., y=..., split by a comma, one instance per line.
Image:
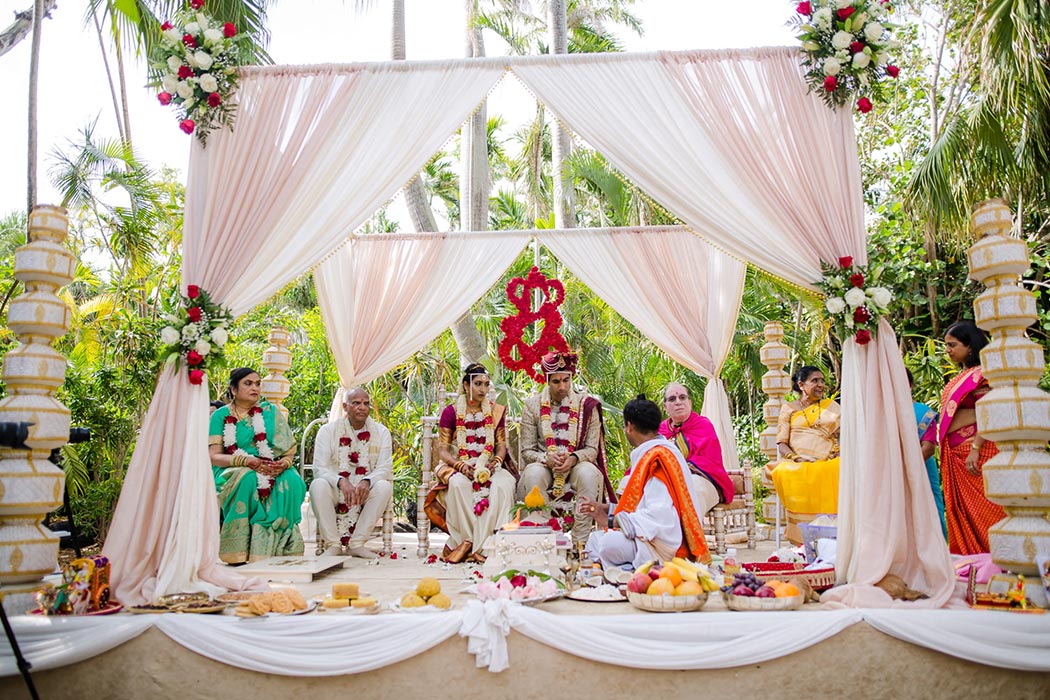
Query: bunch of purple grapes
x=745, y=583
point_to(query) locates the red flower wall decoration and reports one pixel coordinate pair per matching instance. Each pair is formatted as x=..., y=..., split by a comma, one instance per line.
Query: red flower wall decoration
x=519, y=292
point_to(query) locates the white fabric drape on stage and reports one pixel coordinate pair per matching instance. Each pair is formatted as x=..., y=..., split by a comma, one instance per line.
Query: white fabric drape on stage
x=53, y=642
x=384, y=296
x=680, y=292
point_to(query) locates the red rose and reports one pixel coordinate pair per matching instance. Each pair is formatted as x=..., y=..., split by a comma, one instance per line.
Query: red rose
x=477, y=486
x=569, y=520
x=165, y=27
x=845, y=12
x=393, y=555
x=804, y=8
x=254, y=410
x=892, y=70
x=196, y=376
x=189, y=41
x=864, y=105
x=264, y=494
x=846, y=262
x=196, y=4
x=187, y=125
x=344, y=442
x=164, y=98
x=232, y=448
x=259, y=437
x=856, y=46
x=863, y=337
x=856, y=279
x=344, y=475
x=193, y=358
x=194, y=313
x=228, y=30
x=364, y=435
x=554, y=524
x=345, y=540
x=432, y=559
x=342, y=508
x=193, y=291
x=354, y=457
x=518, y=581
x=361, y=471
x=185, y=72
x=229, y=419
x=830, y=83
x=861, y=314
x=214, y=99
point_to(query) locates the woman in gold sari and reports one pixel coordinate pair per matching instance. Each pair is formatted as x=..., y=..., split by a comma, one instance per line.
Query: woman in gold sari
x=807, y=478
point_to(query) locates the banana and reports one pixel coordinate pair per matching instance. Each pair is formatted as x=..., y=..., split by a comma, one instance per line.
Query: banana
x=644, y=568
x=684, y=565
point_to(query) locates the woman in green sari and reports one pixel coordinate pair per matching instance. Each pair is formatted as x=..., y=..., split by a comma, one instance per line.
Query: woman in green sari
x=260, y=494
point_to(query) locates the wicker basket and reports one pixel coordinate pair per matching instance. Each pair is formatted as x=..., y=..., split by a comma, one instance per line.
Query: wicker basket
x=667, y=603
x=741, y=602
x=819, y=579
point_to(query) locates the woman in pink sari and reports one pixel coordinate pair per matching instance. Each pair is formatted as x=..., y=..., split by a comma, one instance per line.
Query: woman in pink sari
x=696, y=438
x=967, y=510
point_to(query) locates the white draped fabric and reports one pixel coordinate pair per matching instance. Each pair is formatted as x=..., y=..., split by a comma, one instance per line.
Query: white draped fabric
x=329, y=645
x=680, y=292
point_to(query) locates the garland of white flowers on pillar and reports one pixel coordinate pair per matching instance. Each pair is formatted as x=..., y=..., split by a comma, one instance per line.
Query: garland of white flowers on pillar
x=229, y=443
x=356, y=464
x=855, y=300
x=476, y=439
x=196, y=334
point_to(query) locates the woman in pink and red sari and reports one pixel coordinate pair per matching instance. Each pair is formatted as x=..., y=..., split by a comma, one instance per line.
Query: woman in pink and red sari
x=696, y=438
x=967, y=510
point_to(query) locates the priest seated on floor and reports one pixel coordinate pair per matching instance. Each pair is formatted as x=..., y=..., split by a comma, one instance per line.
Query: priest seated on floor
x=656, y=517
x=563, y=444
x=260, y=494
x=807, y=477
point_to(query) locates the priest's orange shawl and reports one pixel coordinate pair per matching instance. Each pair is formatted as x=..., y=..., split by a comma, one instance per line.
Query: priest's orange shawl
x=660, y=463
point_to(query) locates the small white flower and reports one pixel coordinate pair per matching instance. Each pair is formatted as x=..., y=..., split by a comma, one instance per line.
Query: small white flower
x=856, y=297
x=832, y=66
x=184, y=89
x=882, y=58
x=212, y=36
x=841, y=39
x=873, y=32
x=188, y=104
x=204, y=59
x=203, y=347
x=822, y=18
x=861, y=60
x=835, y=305
x=169, y=82
x=863, y=79
x=208, y=83
x=174, y=64
x=172, y=35
x=810, y=46
x=219, y=336
x=190, y=332
x=192, y=28
x=881, y=296
x=169, y=336
x=840, y=4
x=202, y=20
x=858, y=21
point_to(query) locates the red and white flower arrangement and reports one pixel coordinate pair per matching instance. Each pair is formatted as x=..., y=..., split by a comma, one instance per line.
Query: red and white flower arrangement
x=195, y=66
x=518, y=585
x=355, y=462
x=855, y=300
x=519, y=293
x=196, y=334
x=262, y=447
x=846, y=47
x=476, y=440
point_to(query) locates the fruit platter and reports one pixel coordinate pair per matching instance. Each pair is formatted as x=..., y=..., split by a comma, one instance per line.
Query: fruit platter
x=672, y=586
x=747, y=592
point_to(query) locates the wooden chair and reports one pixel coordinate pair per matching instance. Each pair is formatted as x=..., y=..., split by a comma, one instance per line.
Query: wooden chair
x=738, y=516
x=385, y=527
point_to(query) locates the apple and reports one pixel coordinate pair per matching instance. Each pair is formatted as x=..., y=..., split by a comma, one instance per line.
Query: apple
x=743, y=590
x=654, y=573
x=765, y=592
x=639, y=583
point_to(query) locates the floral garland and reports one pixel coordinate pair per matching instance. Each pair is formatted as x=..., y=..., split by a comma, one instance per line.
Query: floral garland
x=562, y=435
x=855, y=309
x=196, y=68
x=197, y=334
x=519, y=293
x=518, y=585
x=229, y=443
x=355, y=460
x=476, y=439
x=846, y=45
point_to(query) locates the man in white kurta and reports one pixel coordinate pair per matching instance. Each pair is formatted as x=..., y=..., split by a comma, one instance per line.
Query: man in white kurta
x=653, y=531
x=353, y=475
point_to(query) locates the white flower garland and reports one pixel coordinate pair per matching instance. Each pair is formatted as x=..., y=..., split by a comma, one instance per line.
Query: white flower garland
x=479, y=450
x=354, y=455
x=229, y=442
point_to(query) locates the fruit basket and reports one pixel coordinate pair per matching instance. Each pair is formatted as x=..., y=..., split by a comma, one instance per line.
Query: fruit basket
x=819, y=579
x=667, y=603
x=739, y=602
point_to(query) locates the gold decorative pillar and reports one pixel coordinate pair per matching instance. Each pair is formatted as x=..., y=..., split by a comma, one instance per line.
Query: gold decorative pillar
x=775, y=383
x=277, y=359
x=30, y=485
x=1015, y=414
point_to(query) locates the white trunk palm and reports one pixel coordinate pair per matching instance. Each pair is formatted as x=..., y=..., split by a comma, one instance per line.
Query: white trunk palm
x=561, y=142
x=34, y=75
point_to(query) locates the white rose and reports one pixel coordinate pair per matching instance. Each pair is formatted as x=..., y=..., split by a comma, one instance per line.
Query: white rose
x=192, y=28
x=882, y=58
x=203, y=347
x=169, y=336
x=204, y=59
x=841, y=39
x=184, y=89
x=202, y=19
x=172, y=35
x=881, y=296
x=188, y=104
x=822, y=18
x=208, y=83
x=212, y=36
x=873, y=32
x=858, y=21
x=219, y=336
x=861, y=60
x=832, y=66
x=190, y=332
x=169, y=82
x=835, y=305
x=840, y=4
x=174, y=64
x=856, y=297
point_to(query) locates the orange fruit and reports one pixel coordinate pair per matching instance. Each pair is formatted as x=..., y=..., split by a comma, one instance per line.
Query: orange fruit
x=774, y=584
x=688, y=588
x=661, y=586
x=672, y=574
x=786, y=590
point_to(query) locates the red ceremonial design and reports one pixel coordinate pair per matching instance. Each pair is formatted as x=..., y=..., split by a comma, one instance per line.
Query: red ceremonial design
x=519, y=292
